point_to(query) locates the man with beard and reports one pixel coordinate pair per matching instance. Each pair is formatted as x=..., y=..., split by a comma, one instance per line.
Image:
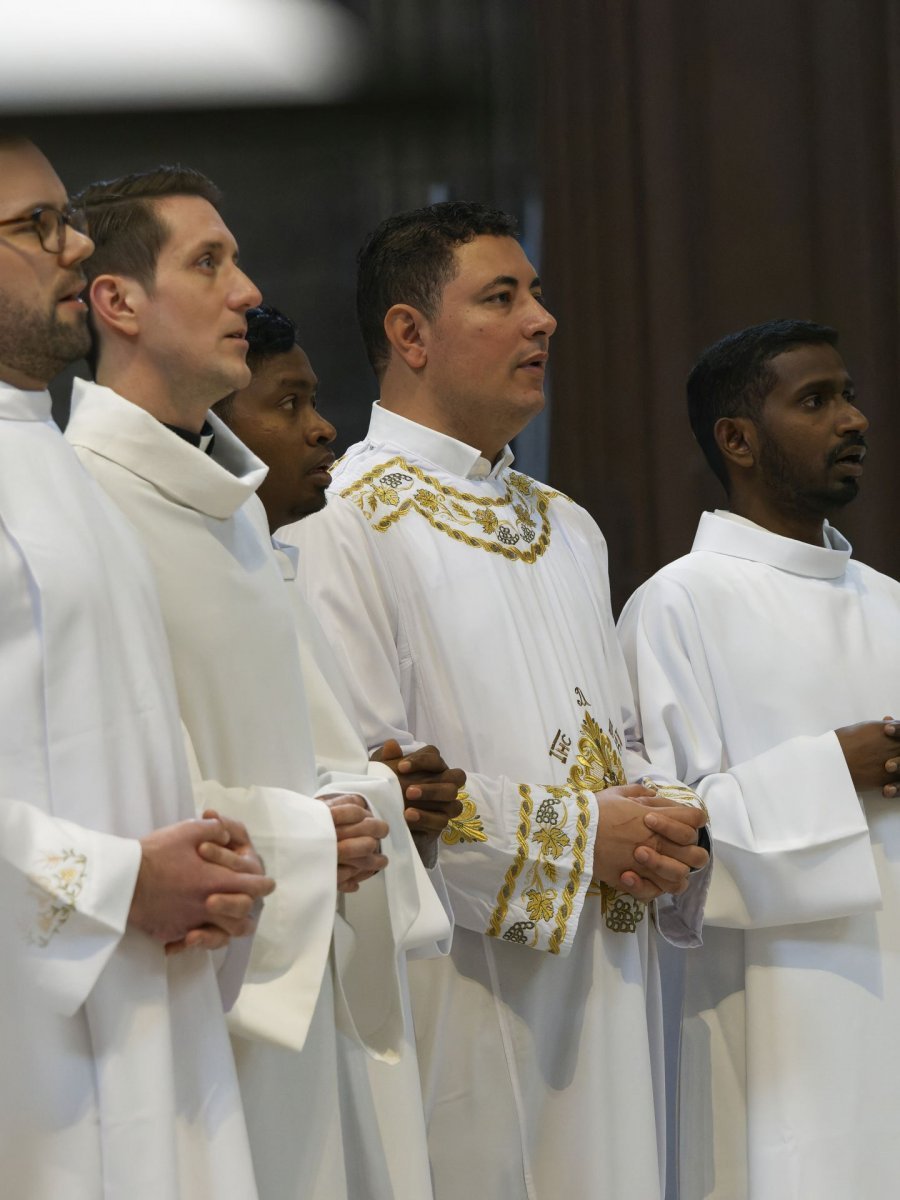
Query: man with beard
x=113, y=1053
x=762, y=662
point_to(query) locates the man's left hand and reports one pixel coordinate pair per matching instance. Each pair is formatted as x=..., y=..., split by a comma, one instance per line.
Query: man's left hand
x=429, y=789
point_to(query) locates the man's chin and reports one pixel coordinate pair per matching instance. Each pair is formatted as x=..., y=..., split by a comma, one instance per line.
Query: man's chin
x=848, y=490
x=236, y=377
x=69, y=341
x=309, y=505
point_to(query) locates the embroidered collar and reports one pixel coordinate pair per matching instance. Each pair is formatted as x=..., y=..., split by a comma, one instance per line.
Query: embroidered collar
x=390, y=430
x=18, y=405
x=725, y=533
x=216, y=484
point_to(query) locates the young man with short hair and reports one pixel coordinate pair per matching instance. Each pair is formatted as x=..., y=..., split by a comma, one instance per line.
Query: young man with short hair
x=113, y=1054
x=763, y=663
x=473, y=601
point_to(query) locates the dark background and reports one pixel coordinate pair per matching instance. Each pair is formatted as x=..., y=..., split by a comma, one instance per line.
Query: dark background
x=682, y=168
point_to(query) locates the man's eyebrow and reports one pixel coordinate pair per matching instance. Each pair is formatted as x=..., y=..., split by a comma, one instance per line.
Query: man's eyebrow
x=294, y=381
x=824, y=382
x=510, y=281
x=501, y=281
x=215, y=244
x=33, y=204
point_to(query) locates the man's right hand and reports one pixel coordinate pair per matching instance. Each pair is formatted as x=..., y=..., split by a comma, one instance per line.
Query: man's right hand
x=624, y=839
x=178, y=891
x=870, y=748
x=359, y=835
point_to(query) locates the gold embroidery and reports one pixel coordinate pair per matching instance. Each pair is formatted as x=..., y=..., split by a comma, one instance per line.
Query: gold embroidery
x=570, y=891
x=542, y=898
x=599, y=766
x=552, y=840
x=509, y=523
x=560, y=747
x=467, y=827
x=58, y=884
x=599, y=762
x=515, y=868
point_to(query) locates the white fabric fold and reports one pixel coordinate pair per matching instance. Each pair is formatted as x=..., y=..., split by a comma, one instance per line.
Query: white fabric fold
x=470, y=607
x=112, y=1054
x=746, y=655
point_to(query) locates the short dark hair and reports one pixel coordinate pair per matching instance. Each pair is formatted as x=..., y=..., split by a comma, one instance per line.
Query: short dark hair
x=125, y=224
x=409, y=259
x=732, y=378
x=269, y=333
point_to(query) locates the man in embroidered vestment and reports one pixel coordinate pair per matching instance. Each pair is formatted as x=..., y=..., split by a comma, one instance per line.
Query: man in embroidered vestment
x=763, y=662
x=473, y=602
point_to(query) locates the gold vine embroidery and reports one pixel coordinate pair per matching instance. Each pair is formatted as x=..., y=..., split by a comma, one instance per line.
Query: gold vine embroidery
x=467, y=827
x=599, y=766
x=58, y=882
x=540, y=892
x=570, y=891
x=515, y=525
x=515, y=869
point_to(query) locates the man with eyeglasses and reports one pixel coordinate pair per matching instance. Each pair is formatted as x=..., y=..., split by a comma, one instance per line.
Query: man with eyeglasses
x=115, y=1072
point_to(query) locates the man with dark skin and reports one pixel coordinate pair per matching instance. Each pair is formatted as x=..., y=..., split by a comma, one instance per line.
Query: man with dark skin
x=277, y=417
x=760, y=662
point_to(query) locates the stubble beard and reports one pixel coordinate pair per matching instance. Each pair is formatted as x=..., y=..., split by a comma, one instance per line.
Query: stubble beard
x=39, y=345
x=794, y=494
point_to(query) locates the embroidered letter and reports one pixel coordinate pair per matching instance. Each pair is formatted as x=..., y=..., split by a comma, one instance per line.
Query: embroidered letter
x=560, y=746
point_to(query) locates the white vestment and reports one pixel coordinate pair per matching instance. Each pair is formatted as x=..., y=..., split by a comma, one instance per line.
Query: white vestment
x=115, y=1070
x=392, y=1093
x=471, y=605
x=233, y=635
x=746, y=655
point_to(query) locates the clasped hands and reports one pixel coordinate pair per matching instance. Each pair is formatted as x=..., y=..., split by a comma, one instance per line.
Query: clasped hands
x=359, y=835
x=430, y=792
x=872, y=752
x=200, y=883
x=645, y=844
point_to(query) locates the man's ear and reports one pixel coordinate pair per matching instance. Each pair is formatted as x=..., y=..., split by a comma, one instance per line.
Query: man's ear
x=115, y=302
x=738, y=441
x=404, y=327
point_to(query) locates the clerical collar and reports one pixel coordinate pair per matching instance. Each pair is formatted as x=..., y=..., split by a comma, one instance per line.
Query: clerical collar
x=216, y=484
x=439, y=448
x=203, y=440
x=726, y=533
x=19, y=405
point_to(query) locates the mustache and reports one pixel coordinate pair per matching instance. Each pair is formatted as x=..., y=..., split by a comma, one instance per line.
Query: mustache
x=855, y=441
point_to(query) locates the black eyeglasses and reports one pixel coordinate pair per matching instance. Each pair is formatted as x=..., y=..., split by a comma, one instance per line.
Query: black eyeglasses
x=50, y=225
